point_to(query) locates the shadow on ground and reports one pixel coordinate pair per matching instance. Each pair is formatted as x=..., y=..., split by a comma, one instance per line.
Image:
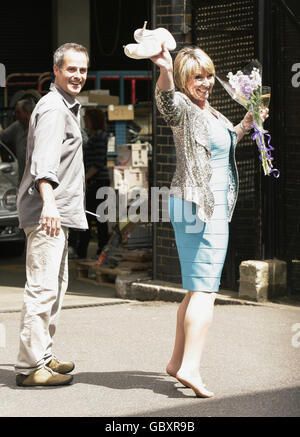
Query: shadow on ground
x=124, y=380
x=284, y=402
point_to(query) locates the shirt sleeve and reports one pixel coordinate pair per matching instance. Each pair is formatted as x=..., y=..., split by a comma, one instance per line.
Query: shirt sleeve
x=48, y=138
x=170, y=105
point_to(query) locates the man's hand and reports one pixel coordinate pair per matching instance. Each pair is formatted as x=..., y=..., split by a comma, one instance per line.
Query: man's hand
x=50, y=218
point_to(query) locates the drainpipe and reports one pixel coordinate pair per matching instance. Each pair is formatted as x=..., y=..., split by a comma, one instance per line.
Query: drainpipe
x=269, y=186
x=261, y=253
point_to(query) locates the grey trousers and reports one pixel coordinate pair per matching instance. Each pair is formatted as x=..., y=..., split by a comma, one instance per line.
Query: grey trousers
x=46, y=284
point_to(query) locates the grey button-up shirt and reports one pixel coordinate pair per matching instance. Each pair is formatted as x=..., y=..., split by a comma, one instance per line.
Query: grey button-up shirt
x=54, y=153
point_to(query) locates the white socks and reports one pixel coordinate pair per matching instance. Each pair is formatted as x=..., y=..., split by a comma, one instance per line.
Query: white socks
x=149, y=43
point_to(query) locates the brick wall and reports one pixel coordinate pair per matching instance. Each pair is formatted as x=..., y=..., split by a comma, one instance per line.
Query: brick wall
x=266, y=221
x=170, y=14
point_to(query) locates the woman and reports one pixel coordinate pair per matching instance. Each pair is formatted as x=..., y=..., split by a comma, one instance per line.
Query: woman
x=96, y=175
x=202, y=197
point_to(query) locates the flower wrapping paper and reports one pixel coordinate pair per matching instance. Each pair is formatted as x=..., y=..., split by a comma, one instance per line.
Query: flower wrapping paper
x=245, y=87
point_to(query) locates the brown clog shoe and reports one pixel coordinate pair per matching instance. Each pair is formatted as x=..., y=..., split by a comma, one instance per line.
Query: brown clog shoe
x=61, y=366
x=43, y=377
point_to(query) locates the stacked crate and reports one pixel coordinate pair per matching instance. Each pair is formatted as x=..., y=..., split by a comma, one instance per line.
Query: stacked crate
x=132, y=169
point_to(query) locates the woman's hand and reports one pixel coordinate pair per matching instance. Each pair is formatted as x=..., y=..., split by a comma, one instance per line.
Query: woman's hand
x=248, y=119
x=163, y=60
x=246, y=124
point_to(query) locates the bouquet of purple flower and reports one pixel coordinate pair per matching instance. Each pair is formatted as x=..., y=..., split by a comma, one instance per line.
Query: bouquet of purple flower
x=245, y=87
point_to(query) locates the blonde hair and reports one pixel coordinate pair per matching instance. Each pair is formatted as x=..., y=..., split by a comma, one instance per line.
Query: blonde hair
x=186, y=63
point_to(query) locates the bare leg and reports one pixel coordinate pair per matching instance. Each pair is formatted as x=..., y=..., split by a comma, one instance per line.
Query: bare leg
x=176, y=359
x=198, y=318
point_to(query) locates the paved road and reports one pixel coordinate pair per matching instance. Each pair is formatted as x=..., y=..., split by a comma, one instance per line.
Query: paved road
x=120, y=348
x=251, y=362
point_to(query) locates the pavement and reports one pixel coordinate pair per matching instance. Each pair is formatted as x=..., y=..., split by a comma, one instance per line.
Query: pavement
x=121, y=346
x=250, y=362
x=11, y=296
x=79, y=294
x=83, y=293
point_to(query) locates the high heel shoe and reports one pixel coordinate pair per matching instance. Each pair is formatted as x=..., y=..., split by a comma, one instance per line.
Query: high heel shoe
x=149, y=43
x=146, y=49
x=160, y=34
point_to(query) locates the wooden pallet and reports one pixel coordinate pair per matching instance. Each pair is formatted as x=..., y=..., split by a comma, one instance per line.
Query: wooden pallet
x=139, y=255
x=84, y=269
x=135, y=266
x=107, y=275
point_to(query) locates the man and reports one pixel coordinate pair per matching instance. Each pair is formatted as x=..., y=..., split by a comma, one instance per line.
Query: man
x=15, y=135
x=50, y=201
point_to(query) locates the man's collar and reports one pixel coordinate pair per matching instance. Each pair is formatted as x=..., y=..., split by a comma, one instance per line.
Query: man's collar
x=69, y=100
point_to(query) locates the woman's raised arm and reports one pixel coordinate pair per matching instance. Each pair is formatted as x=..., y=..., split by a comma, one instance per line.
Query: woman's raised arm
x=165, y=63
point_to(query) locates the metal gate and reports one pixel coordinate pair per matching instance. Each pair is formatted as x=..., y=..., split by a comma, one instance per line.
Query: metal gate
x=266, y=223
x=286, y=82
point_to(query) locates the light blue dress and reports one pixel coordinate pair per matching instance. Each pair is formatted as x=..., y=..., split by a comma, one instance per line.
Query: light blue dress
x=202, y=246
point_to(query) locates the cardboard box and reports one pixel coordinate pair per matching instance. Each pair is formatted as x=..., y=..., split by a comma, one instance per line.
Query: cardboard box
x=111, y=144
x=99, y=92
x=125, y=179
x=121, y=112
x=95, y=92
x=100, y=97
x=143, y=117
x=134, y=155
x=82, y=99
x=104, y=100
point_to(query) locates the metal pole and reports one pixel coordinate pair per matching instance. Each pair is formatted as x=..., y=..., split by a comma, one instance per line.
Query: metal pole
x=268, y=184
x=261, y=40
x=154, y=147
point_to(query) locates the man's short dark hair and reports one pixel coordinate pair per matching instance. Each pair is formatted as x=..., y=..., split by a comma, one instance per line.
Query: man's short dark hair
x=27, y=105
x=58, y=56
